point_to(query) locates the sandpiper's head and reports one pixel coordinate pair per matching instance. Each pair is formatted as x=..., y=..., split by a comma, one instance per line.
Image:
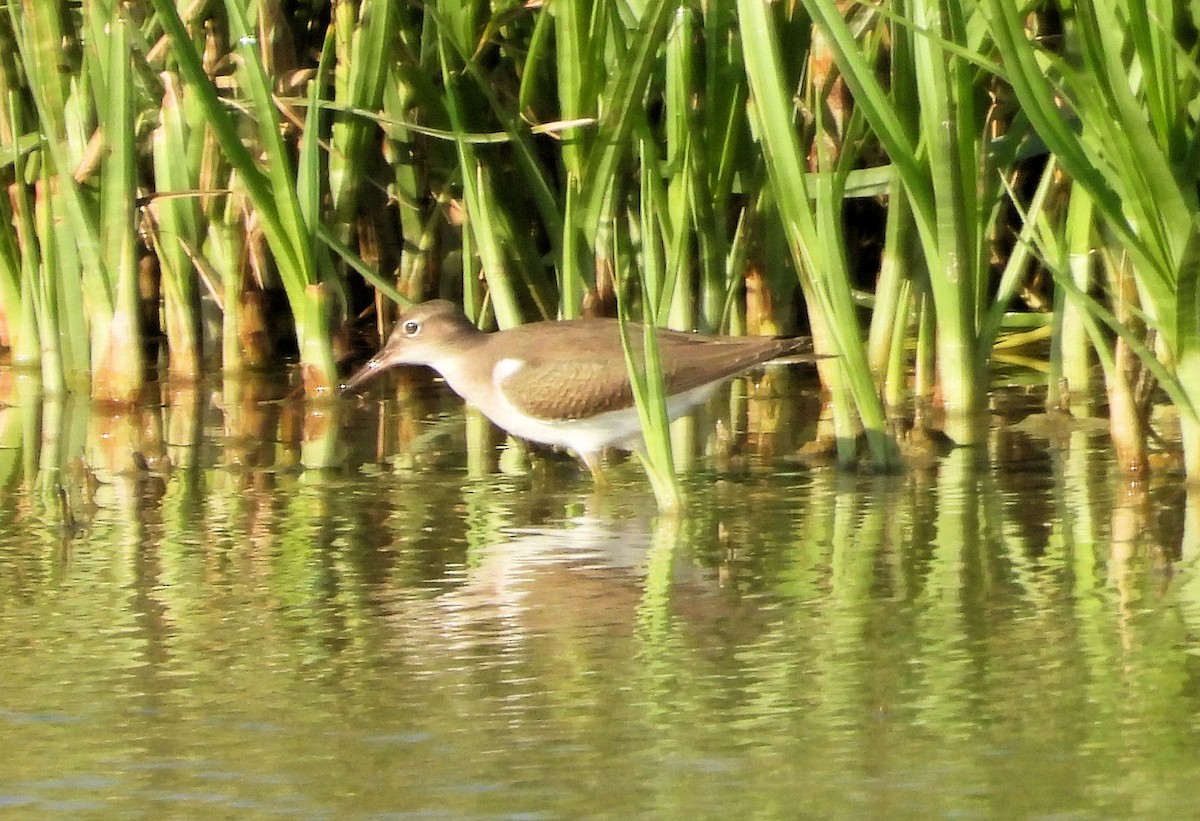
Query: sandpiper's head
x=425, y=334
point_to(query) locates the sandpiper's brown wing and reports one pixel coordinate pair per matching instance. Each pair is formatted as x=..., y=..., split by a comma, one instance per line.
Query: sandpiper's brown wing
x=562, y=391
x=691, y=360
x=576, y=372
x=582, y=373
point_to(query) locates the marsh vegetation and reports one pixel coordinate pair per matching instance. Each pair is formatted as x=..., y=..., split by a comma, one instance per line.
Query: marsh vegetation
x=923, y=186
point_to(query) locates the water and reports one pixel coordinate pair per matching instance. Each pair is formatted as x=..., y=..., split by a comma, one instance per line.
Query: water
x=219, y=632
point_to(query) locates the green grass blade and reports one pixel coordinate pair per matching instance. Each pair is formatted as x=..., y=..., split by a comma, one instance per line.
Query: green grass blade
x=273, y=193
x=176, y=226
x=622, y=96
x=118, y=363
x=480, y=219
x=818, y=249
x=365, y=35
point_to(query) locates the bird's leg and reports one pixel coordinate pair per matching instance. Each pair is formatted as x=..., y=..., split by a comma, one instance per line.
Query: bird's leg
x=592, y=460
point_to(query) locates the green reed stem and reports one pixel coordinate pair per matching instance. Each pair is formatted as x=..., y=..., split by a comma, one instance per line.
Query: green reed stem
x=118, y=360
x=272, y=190
x=814, y=233
x=176, y=224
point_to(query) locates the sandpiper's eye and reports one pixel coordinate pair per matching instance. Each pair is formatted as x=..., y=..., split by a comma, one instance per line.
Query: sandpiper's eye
x=412, y=327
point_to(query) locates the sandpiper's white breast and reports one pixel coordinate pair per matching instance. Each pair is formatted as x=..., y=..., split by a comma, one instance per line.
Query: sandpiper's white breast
x=506, y=367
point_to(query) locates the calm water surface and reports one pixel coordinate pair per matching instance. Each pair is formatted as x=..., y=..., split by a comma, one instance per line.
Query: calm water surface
x=222, y=633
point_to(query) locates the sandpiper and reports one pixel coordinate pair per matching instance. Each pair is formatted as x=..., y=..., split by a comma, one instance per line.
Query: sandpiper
x=566, y=383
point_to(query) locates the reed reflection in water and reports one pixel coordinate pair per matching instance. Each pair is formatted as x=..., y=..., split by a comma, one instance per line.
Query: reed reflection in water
x=231, y=603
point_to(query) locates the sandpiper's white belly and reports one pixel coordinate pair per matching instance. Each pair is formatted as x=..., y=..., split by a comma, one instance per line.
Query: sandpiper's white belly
x=617, y=428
